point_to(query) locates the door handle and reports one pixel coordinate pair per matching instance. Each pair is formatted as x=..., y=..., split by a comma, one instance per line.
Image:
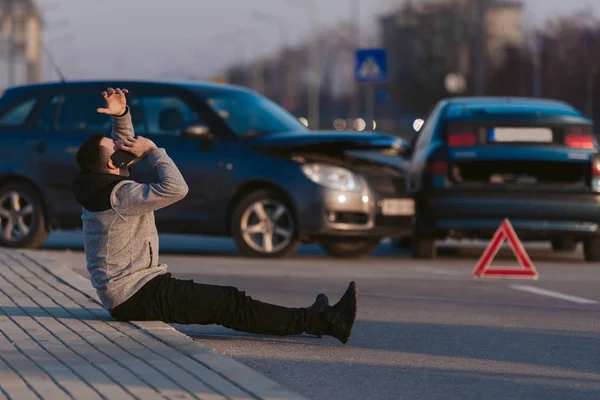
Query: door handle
x=40, y=146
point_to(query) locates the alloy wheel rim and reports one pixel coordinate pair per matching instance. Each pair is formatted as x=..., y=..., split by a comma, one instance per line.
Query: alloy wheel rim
x=17, y=216
x=267, y=226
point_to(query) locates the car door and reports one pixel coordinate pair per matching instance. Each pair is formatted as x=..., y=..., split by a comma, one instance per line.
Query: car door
x=160, y=115
x=16, y=144
x=65, y=121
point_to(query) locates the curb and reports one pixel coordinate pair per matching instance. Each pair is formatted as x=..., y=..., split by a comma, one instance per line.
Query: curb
x=243, y=376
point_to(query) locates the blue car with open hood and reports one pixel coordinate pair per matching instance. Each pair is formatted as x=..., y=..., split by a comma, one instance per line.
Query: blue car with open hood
x=477, y=161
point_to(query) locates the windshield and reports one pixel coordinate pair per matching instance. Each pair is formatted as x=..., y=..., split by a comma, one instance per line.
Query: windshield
x=249, y=114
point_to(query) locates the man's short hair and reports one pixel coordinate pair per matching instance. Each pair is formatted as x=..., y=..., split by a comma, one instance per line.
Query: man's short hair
x=92, y=156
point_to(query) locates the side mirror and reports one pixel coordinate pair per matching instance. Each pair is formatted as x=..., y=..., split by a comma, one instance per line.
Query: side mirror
x=197, y=131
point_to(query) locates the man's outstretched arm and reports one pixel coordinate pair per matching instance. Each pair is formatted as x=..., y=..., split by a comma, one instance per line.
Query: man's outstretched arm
x=117, y=108
x=132, y=198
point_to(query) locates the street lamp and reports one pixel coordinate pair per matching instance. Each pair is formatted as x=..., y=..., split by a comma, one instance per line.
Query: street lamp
x=481, y=45
x=314, y=77
x=355, y=16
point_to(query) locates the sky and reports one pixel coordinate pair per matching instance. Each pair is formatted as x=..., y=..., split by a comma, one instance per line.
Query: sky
x=152, y=39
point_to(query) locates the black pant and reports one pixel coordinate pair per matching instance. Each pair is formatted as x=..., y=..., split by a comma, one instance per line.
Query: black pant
x=179, y=301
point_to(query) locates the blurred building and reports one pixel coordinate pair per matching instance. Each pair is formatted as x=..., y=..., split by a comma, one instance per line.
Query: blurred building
x=285, y=75
x=20, y=42
x=504, y=27
x=436, y=39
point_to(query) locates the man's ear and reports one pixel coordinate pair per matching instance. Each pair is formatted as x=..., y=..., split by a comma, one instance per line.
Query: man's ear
x=111, y=165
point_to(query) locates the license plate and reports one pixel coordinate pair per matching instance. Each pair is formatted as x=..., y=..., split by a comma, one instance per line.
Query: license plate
x=398, y=207
x=527, y=135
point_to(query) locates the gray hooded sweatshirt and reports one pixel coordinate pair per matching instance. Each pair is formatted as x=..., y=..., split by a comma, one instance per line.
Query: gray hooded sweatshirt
x=120, y=236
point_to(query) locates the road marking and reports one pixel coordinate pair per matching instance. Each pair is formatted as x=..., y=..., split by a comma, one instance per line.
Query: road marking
x=557, y=295
x=439, y=271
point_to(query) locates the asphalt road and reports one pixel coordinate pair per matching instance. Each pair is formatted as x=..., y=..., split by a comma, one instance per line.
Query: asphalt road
x=425, y=329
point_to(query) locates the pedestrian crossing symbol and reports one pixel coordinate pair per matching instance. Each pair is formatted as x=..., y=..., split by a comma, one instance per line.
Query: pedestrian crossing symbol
x=369, y=70
x=371, y=65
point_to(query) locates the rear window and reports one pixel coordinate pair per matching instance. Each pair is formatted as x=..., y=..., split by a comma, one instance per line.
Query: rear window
x=17, y=114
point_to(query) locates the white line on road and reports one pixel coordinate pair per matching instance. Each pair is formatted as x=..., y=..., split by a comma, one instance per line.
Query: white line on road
x=550, y=293
x=439, y=271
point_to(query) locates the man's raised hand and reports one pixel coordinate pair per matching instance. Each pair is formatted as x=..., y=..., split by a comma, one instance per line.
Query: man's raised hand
x=139, y=146
x=116, y=103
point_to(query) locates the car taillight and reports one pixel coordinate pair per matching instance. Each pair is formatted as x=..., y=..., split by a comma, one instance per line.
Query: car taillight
x=596, y=167
x=461, y=139
x=437, y=167
x=579, y=141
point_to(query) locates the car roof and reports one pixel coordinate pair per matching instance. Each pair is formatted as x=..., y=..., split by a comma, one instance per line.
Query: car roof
x=191, y=85
x=465, y=108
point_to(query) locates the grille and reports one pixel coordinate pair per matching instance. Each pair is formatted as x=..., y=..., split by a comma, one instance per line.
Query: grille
x=349, y=218
x=381, y=220
x=385, y=182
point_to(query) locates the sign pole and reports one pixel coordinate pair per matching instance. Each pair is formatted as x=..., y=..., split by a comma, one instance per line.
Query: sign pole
x=370, y=101
x=370, y=68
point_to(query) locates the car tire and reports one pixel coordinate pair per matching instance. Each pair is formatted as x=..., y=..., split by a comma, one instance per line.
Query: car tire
x=423, y=247
x=251, y=233
x=19, y=200
x=563, y=245
x=591, y=249
x=350, y=247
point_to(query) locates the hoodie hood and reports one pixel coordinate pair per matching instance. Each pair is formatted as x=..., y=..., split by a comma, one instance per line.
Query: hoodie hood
x=93, y=191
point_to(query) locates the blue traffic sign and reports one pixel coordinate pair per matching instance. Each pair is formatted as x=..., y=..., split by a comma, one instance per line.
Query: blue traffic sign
x=371, y=65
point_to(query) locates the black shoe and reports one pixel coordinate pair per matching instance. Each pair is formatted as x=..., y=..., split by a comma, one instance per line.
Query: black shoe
x=318, y=307
x=320, y=303
x=340, y=318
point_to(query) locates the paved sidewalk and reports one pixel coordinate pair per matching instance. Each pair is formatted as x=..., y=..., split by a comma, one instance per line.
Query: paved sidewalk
x=57, y=342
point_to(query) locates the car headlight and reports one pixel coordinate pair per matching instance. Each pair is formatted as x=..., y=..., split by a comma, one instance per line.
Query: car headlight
x=332, y=177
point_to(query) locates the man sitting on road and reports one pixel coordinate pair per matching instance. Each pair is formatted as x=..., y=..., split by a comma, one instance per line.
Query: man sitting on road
x=121, y=247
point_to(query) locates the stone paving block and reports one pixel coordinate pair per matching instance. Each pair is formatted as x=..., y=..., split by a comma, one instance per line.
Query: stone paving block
x=13, y=385
x=179, y=377
x=84, y=369
x=77, y=343
x=39, y=381
x=207, y=375
x=128, y=382
x=51, y=364
x=180, y=381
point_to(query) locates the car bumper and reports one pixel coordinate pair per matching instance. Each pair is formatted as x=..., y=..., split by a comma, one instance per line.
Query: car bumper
x=534, y=216
x=356, y=214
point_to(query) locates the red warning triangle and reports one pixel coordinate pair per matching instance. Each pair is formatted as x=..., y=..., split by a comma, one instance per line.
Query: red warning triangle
x=505, y=232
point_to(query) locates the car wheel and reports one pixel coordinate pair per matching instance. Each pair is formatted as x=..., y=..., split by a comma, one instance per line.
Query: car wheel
x=22, y=219
x=350, y=247
x=423, y=247
x=264, y=226
x=591, y=249
x=563, y=245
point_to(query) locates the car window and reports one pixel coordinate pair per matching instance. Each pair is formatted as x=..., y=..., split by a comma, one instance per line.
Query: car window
x=77, y=112
x=47, y=118
x=427, y=129
x=18, y=113
x=250, y=114
x=74, y=112
x=161, y=114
